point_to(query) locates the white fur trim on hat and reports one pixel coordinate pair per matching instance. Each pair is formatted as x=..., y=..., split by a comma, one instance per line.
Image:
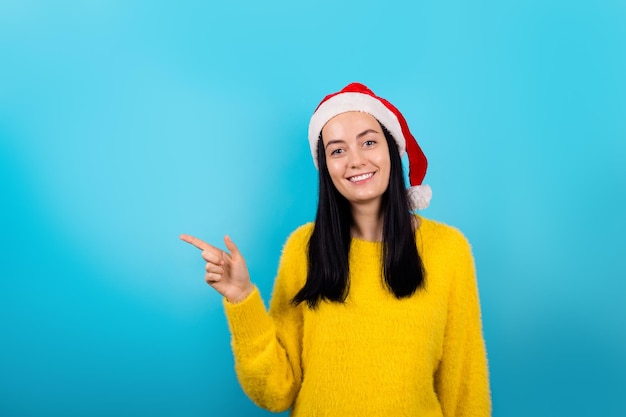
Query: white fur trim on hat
x=419, y=196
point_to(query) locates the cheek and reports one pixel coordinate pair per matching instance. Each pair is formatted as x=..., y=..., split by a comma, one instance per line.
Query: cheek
x=334, y=169
x=383, y=161
x=384, y=164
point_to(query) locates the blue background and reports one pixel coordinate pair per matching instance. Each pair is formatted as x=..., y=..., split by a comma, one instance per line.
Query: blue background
x=126, y=123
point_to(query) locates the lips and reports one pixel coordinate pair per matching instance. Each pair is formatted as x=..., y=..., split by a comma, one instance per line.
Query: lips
x=361, y=177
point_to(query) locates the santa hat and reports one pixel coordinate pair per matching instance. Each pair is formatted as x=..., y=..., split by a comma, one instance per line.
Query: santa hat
x=357, y=97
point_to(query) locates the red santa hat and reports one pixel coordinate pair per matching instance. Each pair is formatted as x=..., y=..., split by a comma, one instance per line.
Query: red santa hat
x=357, y=97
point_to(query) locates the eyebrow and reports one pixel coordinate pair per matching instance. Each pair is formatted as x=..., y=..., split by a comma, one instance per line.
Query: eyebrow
x=365, y=132
x=359, y=136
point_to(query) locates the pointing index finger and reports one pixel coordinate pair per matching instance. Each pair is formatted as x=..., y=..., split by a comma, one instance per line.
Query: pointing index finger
x=200, y=244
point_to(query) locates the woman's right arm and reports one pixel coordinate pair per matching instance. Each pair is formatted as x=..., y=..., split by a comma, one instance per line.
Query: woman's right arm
x=266, y=352
x=266, y=346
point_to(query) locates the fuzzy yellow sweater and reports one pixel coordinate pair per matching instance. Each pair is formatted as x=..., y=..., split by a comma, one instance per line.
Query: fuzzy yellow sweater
x=375, y=355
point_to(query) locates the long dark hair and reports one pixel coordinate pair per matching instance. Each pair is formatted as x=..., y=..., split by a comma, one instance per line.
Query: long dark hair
x=329, y=244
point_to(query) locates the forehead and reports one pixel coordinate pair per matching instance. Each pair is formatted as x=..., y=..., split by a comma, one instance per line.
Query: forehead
x=349, y=124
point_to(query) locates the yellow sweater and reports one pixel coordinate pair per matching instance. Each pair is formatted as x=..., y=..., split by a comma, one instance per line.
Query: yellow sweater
x=375, y=355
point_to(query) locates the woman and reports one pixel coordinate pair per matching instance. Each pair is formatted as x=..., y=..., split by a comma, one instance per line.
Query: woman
x=375, y=310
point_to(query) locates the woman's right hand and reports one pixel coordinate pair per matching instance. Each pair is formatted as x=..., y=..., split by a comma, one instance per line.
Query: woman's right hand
x=226, y=272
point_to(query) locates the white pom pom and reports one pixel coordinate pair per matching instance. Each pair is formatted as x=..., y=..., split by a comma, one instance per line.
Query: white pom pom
x=419, y=196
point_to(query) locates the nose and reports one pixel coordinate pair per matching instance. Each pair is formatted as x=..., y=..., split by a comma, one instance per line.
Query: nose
x=356, y=158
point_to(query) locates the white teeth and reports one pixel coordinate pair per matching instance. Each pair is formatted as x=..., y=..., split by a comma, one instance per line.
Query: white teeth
x=361, y=177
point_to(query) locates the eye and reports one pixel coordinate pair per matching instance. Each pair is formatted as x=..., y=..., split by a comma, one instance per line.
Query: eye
x=369, y=143
x=337, y=151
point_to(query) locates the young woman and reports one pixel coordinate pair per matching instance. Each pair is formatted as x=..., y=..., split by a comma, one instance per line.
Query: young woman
x=375, y=310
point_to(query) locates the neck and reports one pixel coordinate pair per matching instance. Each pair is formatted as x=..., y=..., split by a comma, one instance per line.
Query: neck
x=367, y=222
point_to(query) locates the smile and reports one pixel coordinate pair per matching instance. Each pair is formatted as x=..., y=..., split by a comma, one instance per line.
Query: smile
x=361, y=177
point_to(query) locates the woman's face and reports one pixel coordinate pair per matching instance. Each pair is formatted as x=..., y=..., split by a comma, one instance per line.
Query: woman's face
x=357, y=157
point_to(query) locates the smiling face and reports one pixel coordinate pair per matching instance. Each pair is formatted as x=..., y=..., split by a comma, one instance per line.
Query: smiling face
x=357, y=157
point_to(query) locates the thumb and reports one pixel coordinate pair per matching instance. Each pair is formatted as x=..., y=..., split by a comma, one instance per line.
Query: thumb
x=232, y=248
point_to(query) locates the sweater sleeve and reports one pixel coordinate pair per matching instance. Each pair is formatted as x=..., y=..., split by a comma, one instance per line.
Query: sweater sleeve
x=267, y=345
x=462, y=380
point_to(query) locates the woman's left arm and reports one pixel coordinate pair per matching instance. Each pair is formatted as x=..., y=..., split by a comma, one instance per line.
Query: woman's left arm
x=462, y=379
